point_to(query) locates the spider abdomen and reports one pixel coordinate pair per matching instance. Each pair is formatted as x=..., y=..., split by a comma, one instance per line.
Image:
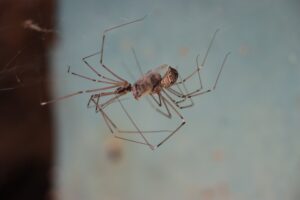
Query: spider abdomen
x=146, y=84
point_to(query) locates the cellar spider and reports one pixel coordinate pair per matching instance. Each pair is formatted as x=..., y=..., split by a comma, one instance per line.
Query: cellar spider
x=162, y=84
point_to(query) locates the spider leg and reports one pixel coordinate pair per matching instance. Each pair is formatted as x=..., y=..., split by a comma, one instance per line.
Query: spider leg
x=103, y=42
x=110, y=123
x=193, y=94
x=137, y=61
x=77, y=93
x=172, y=99
x=198, y=68
x=167, y=102
x=199, y=91
x=181, y=95
x=160, y=103
x=97, y=97
x=87, y=64
x=92, y=79
x=137, y=128
x=99, y=108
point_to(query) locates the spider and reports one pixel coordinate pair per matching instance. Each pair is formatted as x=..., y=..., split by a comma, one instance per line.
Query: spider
x=162, y=84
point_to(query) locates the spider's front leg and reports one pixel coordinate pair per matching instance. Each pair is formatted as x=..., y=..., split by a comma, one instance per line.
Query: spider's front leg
x=103, y=42
x=197, y=71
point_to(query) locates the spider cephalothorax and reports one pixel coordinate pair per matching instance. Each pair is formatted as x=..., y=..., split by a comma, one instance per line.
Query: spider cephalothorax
x=169, y=78
x=123, y=89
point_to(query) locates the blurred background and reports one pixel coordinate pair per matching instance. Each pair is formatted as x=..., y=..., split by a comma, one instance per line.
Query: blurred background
x=240, y=141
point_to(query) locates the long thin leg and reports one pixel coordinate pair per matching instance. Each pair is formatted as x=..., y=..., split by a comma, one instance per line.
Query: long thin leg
x=180, y=116
x=108, y=120
x=181, y=95
x=110, y=124
x=106, y=103
x=97, y=97
x=192, y=74
x=198, y=68
x=216, y=81
x=135, y=141
x=204, y=60
x=199, y=76
x=160, y=103
x=103, y=105
x=199, y=91
x=155, y=131
x=137, y=61
x=75, y=94
x=93, y=68
x=177, y=103
x=103, y=41
x=92, y=79
x=137, y=128
x=165, y=103
x=171, y=99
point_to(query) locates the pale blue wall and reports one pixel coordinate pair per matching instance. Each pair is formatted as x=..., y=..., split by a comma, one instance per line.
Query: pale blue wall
x=240, y=142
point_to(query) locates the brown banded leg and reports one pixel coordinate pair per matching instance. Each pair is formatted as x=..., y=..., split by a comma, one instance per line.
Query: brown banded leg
x=110, y=123
x=114, y=85
x=112, y=82
x=79, y=93
x=87, y=64
x=96, y=98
